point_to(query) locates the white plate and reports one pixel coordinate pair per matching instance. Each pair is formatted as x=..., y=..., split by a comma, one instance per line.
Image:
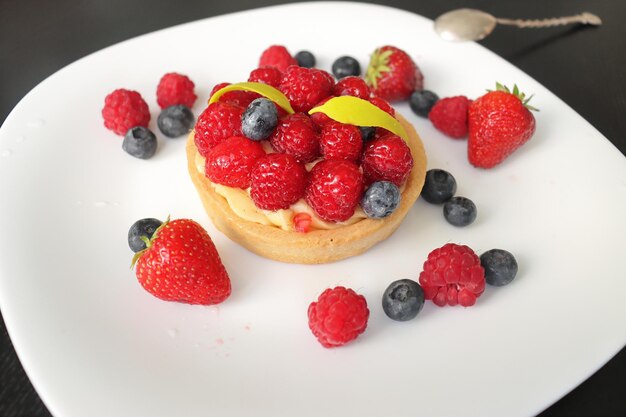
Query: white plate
x=94, y=343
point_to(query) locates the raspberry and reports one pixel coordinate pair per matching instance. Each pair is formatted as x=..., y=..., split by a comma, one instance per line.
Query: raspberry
x=338, y=316
x=216, y=123
x=452, y=275
x=352, y=86
x=277, y=181
x=449, y=115
x=319, y=118
x=175, y=89
x=124, y=109
x=230, y=162
x=340, y=141
x=238, y=97
x=277, y=56
x=305, y=87
x=383, y=105
x=266, y=75
x=387, y=158
x=335, y=189
x=296, y=135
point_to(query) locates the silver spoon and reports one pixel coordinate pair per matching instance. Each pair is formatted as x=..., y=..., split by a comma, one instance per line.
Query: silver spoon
x=474, y=25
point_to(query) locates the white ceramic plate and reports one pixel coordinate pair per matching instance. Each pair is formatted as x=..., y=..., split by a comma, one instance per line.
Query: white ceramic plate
x=94, y=343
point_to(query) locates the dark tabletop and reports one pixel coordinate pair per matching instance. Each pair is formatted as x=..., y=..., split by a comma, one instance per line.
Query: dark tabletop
x=583, y=66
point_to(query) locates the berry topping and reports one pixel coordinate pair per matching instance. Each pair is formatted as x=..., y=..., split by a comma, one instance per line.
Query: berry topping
x=459, y=211
x=500, y=267
x=302, y=222
x=143, y=228
x=181, y=264
x=335, y=189
x=387, y=158
x=124, y=109
x=338, y=316
x=236, y=97
x=305, y=59
x=175, y=89
x=452, y=275
x=346, y=66
x=422, y=101
x=305, y=87
x=352, y=86
x=230, y=162
x=439, y=186
x=266, y=75
x=216, y=123
x=140, y=142
x=340, y=141
x=392, y=74
x=403, y=300
x=260, y=119
x=383, y=105
x=175, y=121
x=380, y=199
x=277, y=56
x=277, y=181
x=449, y=116
x=296, y=135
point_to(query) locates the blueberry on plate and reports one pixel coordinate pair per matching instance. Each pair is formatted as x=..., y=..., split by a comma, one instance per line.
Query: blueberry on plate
x=380, y=199
x=421, y=101
x=346, y=66
x=403, y=300
x=175, y=121
x=460, y=211
x=259, y=119
x=439, y=186
x=140, y=142
x=500, y=267
x=142, y=228
x=305, y=59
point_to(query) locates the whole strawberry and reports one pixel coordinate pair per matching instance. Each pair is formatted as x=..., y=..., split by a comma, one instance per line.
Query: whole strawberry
x=500, y=121
x=181, y=264
x=392, y=74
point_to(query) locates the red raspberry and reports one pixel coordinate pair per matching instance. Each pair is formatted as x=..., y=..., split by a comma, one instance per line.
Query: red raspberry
x=449, y=115
x=239, y=98
x=305, y=87
x=387, y=158
x=124, y=109
x=383, y=105
x=175, y=89
x=352, y=86
x=338, y=316
x=335, y=189
x=277, y=56
x=340, y=141
x=277, y=181
x=452, y=275
x=319, y=118
x=231, y=161
x=296, y=135
x=266, y=75
x=216, y=123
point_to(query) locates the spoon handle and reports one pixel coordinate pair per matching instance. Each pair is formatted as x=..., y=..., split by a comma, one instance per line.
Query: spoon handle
x=584, y=18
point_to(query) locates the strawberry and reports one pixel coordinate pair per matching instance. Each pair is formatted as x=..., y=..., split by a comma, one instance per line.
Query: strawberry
x=449, y=116
x=500, y=121
x=392, y=74
x=181, y=264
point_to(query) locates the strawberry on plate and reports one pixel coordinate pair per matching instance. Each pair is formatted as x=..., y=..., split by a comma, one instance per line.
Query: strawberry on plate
x=392, y=74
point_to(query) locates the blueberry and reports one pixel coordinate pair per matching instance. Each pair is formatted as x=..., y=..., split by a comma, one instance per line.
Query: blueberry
x=175, y=121
x=500, y=267
x=140, y=142
x=305, y=59
x=367, y=132
x=259, y=119
x=381, y=199
x=143, y=227
x=421, y=101
x=403, y=299
x=345, y=66
x=439, y=186
x=459, y=211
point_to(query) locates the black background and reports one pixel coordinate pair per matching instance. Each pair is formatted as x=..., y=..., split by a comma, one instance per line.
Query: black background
x=583, y=66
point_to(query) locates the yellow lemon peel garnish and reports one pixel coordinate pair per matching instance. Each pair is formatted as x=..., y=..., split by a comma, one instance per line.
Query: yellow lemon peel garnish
x=265, y=90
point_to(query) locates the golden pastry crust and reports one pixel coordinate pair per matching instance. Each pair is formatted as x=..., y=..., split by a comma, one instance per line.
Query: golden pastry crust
x=317, y=246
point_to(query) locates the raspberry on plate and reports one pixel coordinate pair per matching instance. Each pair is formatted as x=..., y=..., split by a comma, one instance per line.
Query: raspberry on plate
x=266, y=75
x=452, y=275
x=124, y=109
x=305, y=87
x=335, y=189
x=230, y=162
x=296, y=135
x=387, y=158
x=449, y=116
x=352, y=86
x=175, y=89
x=340, y=141
x=216, y=123
x=338, y=316
x=277, y=56
x=277, y=181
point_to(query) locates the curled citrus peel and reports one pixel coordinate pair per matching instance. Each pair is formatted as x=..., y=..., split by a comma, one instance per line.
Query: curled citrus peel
x=265, y=90
x=359, y=112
